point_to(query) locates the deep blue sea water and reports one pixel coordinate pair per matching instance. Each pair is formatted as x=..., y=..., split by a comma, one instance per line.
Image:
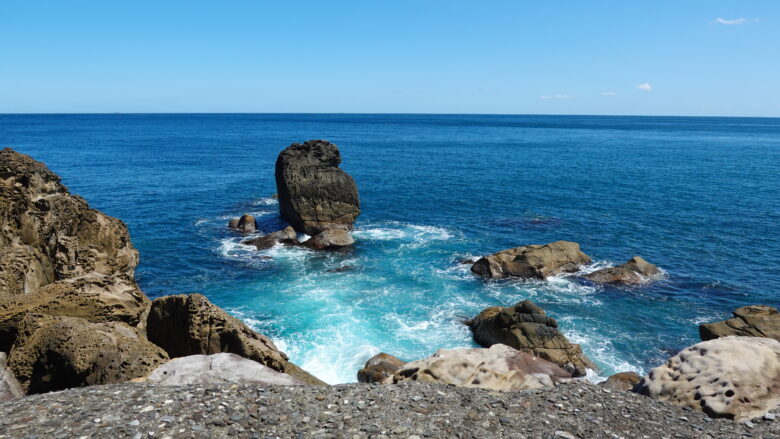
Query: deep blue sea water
x=700, y=197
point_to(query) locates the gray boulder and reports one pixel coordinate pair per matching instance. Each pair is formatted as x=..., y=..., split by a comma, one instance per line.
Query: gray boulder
x=532, y=261
x=314, y=194
x=284, y=236
x=329, y=240
x=635, y=271
x=217, y=369
x=9, y=386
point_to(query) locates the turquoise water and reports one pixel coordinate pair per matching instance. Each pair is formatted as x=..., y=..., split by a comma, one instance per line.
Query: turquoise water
x=697, y=196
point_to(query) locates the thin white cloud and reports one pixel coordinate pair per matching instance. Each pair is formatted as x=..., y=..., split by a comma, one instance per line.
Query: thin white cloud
x=556, y=97
x=608, y=93
x=736, y=21
x=645, y=86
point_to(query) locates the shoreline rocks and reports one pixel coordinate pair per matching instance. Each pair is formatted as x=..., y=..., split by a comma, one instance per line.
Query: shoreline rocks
x=752, y=320
x=624, y=381
x=9, y=386
x=499, y=367
x=314, y=194
x=285, y=236
x=635, y=271
x=532, y=261
x=526, y=327
x=245, y=224
x=378, y=368
x=215, y=369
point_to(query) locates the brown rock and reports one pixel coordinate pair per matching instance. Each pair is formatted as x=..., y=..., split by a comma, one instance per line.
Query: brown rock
x=284, y=236
x=314, y=194
x=378, y=368
x=191, y=325
x=526, y=327
x=635, y=271
x=750, y=321
x=497, y=368
x=329, y=240
x=233, y=223
x=247, y=224
x=532, y=261
x=54, y=353
x=624, y=381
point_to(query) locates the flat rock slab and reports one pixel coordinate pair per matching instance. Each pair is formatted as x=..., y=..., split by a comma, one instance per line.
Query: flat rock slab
x=218, y=368
x=578, y=410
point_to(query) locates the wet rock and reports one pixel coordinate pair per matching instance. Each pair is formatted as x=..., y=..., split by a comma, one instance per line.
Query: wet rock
x=233, y=223
x=314, y=194
x=378, y=368
x=329, y=240
x=624, y=381
x=527, y=327
x=635, y=271
x=245, y=224
x=342, y=269
x=532, y=261
x=752, y=321
x=9, y=386
x=54, y=353
x=186, y=325
x=497, y=368
x=284, y=236
x=217, y=368
x=731, y=377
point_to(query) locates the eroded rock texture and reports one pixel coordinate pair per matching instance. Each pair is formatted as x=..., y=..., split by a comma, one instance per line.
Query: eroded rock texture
x=191, y=325
x=532, y=261
x=314, y=194
x=752, y=321
x=497, y=368
x=732, y=377
x=527, y=327
x=216, y=369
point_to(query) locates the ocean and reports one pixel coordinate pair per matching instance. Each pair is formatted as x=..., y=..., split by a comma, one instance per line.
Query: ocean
x=699, y=197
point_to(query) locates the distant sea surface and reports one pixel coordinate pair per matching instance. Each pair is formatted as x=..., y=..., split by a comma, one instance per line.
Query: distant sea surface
x=699, y=197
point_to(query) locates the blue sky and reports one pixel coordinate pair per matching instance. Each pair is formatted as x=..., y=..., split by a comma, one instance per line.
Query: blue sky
x=554, y=57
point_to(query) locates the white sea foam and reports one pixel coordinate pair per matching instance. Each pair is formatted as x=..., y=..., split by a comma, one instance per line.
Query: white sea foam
x=267, y=201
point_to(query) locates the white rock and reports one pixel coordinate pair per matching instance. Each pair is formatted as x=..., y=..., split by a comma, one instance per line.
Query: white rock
x=217, y=368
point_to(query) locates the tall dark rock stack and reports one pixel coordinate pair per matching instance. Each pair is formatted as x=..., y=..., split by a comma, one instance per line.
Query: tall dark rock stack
x=315, y=196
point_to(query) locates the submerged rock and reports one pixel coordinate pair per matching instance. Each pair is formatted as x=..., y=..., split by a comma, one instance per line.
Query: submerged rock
x=635, y=271
x=624, y=381
x=217, y=368
x=497, y=368
x=191, y=325
x=314, y=194
x=9, y=386
x=284, y=236
x=532, y=261
x=752, y=321
x=526, y=327
x=378, y=368
x=55, y=353
x=732, y=377
x=329, y=240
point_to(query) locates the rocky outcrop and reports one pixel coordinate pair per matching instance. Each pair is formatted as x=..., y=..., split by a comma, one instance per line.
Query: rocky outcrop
x=378, y=368
x=55, y=353
x=329, y=240
x=624, y=381
x=497, y=368
x=732, y=377
x=635, y=271
x=216, y=369
x=532, y=261
x=191, y=325
x=284, y=236
x=57, y=255
x=752, y=321
x=245, y=224
x=9, y=386
x=314, y=194
x=527, y=327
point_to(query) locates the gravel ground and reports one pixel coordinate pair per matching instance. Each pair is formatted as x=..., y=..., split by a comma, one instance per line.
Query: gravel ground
x=413, y=411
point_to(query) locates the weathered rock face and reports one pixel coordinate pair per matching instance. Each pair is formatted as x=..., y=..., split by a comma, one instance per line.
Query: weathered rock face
x=246, y=224
x=217, y=368
x=624, y=381
x=526, y=327
x=57, y=255
x=532, y=261
x=9, y=386
x=329, y=240
x=497, y=368
x=55, y=353
x=378, y=368
x=732, y=377
x=314, y=194
x=284, y=236
x=752, y=321
x=635, y=271
x=191, y=325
